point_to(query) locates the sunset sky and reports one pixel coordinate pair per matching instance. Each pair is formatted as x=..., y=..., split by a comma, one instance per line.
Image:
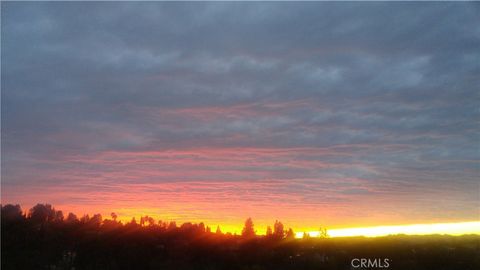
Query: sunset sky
x=316, y=114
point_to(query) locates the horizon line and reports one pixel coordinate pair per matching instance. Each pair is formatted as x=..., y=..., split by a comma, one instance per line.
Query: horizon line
x=443, y=228
x=450, y=228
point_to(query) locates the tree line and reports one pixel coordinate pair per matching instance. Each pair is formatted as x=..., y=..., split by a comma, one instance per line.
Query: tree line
x=43, y=238
x=42, y=214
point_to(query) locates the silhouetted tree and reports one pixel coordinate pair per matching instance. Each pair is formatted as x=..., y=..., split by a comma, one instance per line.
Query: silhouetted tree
x=59, y=216
x=172, y=225
x=248, y=230
x=322, y=232
x=162, y=224
x=96, y=220
x=278, y=231
x=186, y=226
x=147, y=220
x=110, y=224
x=201, y=227
x=290, y=234
x=218, y=231
x=85, y=219
x=72, y=218
x=41, y=213
x=12, y=212
x=133, y=221
x=269, y=231
x=151, y=221
x=114, y=216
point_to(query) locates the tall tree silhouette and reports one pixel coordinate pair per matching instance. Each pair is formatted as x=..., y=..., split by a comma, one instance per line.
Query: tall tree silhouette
x=218, y=231
x=248, y=230
x=278, y=231
x=269, y=231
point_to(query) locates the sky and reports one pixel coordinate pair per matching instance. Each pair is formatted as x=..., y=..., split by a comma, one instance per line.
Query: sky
x=316, y=114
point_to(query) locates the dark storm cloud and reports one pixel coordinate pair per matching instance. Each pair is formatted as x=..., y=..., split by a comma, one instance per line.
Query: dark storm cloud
x=394, y=85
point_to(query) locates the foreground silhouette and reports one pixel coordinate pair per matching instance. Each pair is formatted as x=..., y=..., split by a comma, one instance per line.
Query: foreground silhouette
x=45, y=239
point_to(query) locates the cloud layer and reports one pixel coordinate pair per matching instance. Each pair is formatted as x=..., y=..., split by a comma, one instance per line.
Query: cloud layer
x=361, y=113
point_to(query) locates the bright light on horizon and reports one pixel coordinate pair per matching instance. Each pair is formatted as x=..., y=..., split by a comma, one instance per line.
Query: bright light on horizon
x=458, y=228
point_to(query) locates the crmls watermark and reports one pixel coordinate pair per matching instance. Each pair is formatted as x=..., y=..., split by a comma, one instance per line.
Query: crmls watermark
x=367, y=263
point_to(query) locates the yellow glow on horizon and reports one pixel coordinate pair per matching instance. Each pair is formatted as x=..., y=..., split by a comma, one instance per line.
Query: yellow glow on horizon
x=459, y=228
x=235, y=226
